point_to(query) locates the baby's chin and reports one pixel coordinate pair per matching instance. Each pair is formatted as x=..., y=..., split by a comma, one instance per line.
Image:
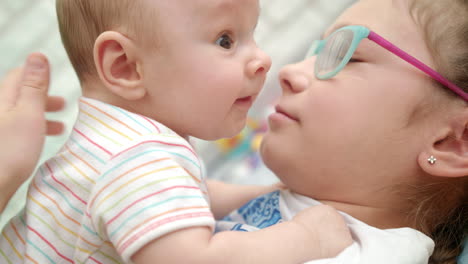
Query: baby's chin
x=227, y=131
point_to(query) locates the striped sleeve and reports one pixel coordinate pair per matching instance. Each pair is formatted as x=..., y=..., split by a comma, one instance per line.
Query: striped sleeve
x=151, y=188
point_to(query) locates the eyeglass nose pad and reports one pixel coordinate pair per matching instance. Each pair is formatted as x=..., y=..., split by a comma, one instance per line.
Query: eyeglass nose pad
x=313, y=49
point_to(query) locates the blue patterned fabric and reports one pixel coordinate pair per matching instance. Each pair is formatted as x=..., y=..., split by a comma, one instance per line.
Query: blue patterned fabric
x=259, y=213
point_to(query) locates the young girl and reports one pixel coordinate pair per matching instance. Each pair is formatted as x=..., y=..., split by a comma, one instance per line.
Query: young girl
x=376, y=134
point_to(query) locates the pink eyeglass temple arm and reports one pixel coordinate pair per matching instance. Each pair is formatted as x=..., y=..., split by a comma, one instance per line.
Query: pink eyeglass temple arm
x=418, y=64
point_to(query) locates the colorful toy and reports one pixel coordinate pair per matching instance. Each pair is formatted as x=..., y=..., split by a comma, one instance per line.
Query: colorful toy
x=246, y=144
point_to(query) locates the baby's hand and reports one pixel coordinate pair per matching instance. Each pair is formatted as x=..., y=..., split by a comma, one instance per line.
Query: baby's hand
x=326, y=228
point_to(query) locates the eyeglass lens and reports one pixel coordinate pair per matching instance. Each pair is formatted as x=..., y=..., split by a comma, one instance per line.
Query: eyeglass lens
x=335, y=50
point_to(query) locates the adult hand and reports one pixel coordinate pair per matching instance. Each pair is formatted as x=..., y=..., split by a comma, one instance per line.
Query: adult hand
x=23, y=126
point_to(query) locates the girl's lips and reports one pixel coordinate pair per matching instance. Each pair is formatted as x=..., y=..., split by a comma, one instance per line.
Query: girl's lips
x=280, y=111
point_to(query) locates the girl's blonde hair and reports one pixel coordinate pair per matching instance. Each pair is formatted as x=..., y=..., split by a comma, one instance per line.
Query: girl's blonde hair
x=82, y=21
x=441, y=209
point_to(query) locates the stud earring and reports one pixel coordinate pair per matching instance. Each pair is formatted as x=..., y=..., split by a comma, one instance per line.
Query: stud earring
x=432, y=160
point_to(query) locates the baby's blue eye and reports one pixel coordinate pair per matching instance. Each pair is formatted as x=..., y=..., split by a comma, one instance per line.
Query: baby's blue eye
x=225, y=41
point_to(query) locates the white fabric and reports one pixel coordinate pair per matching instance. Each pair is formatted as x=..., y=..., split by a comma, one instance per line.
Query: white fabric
x=372, y=245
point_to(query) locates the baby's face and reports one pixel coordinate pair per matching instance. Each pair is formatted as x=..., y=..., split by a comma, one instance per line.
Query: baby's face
x=347, y=137
x=207, y=70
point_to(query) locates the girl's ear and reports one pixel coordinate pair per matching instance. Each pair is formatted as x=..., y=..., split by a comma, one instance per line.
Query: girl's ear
x=447, y=154
x=118, y=65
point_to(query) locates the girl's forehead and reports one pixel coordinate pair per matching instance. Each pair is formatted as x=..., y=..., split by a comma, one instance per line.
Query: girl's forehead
x=390, y=19
x=378, y=15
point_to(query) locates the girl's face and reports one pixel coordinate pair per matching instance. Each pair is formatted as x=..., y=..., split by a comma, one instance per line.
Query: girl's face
x=352, y=136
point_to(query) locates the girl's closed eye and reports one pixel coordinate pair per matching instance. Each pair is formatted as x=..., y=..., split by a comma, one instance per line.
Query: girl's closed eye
x=225, y=41
x=355, y=60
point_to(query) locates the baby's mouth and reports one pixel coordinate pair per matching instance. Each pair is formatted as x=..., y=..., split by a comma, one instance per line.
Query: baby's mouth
x=245, y=102
x=247, y=99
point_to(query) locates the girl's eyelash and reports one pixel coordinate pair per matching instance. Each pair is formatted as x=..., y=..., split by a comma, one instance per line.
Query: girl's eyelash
x=355, y=60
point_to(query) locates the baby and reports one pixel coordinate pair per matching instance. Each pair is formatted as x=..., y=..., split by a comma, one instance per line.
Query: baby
x=23, y=125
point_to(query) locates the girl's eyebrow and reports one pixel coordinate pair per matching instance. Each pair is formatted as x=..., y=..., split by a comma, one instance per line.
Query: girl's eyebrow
x=335, y=27
x=338, y=26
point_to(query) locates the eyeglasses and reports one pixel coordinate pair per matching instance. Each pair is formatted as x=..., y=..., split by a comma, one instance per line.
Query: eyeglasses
x=335, y=51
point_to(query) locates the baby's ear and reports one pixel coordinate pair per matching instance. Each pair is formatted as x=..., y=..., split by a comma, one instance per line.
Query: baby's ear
x=118, y=65
x=447, y=154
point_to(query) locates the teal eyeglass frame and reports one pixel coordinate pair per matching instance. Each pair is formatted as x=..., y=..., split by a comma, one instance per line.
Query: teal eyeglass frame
x=360, y=33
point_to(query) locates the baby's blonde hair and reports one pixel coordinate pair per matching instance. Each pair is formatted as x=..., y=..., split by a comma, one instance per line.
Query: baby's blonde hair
x=82, y=21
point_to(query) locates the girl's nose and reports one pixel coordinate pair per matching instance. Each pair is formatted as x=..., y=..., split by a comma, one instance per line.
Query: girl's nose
x=259, y=65
x=293, y=79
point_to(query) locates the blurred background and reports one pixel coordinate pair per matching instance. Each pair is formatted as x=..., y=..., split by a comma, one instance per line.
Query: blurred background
x=285, y=30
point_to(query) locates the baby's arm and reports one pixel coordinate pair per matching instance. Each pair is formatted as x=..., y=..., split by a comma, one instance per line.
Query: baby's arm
x=318, y=232
x=23, y=126
x=224, y=197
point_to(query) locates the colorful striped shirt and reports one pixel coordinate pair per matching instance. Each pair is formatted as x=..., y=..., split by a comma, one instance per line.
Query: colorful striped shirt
x=121, y=181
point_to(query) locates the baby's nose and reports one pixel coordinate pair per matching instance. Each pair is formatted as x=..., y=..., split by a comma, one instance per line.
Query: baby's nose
x=259, y=65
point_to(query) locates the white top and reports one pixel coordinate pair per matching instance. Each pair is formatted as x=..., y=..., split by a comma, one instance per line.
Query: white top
x=371, y=246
